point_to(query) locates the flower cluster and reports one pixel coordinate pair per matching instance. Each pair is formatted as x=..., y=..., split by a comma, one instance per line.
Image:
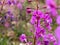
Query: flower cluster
x=42, y=23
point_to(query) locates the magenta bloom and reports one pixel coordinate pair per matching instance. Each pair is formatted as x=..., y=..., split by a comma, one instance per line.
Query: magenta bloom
x=50, y=38
x=39, y=32
x=36, y=15
x=46, y=42
x=28, y=9
x=59, y=43
x=58, y=20
x=22, y=38
x=48, y=21
x=51, y=3
x=57, y=32
x=54, y=12
x=38, y=43
x=51, y=6
x=47, y=18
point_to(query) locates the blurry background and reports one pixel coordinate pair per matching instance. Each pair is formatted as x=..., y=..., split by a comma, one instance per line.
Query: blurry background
x=14, y=19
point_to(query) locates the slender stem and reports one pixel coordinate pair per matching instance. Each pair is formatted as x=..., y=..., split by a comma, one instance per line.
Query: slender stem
x=37, y=4
x=34, y=43
x=34, y=40
x=37, y=11
x=37, y=24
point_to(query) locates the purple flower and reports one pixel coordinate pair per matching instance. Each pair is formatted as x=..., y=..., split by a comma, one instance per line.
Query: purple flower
x=46, y=42
x=38, y=43
x=39, y=32
x=47, y=18
x=48, y=21
x=37, y=15
x=9, y=2
x=22, y=38
x=58, y=20
x=14, y=1
x=50, y=38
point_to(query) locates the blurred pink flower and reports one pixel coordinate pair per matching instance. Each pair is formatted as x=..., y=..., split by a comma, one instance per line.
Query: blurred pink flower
x=19, y=6
x=53, y=12
x=57, y=33
x=59, y=43
x=6, y=24
x=58, y=20
x=51, y=3
x=51, y=6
